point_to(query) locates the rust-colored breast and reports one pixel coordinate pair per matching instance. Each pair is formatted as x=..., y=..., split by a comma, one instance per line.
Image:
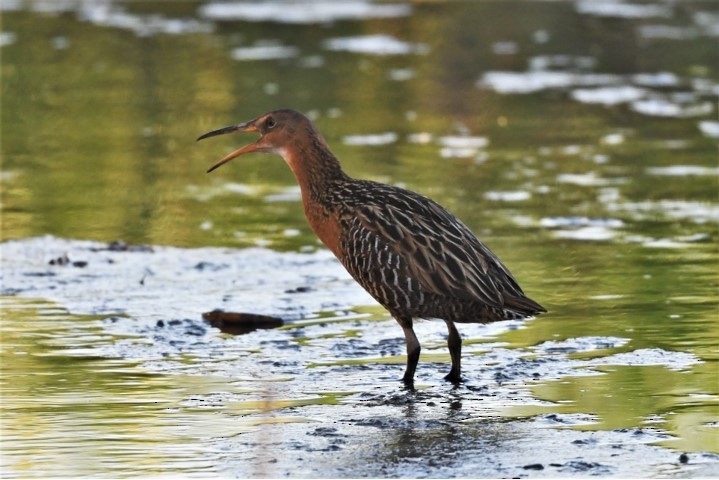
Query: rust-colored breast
x=326, y=225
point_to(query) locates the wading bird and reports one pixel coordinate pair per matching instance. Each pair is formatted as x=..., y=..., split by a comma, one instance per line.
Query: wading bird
x=412, y=255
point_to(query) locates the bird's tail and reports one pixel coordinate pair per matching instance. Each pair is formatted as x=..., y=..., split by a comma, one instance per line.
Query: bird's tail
x=522, y=307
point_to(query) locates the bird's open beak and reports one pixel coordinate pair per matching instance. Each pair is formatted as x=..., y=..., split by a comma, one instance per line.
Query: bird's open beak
x=243, y=127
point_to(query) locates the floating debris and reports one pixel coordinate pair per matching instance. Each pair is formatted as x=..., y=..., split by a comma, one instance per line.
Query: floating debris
x=241, y=323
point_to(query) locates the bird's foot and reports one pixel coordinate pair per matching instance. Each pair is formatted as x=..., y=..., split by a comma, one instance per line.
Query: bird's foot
x=408, y=383
x=454, y=377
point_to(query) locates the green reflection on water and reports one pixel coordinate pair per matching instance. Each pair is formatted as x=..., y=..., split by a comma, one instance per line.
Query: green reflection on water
x=99, y=414
x=685, y=404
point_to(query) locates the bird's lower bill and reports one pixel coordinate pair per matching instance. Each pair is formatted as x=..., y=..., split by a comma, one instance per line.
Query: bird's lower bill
x=252, y=147
x=243, y=127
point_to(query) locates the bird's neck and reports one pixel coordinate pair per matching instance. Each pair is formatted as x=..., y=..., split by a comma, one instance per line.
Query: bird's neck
x=316, y=168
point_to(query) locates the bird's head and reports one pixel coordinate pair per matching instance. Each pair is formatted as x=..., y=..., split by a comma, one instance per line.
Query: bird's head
x=277, y=129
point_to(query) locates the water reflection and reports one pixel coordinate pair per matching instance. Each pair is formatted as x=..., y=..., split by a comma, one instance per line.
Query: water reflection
x=579, y=143
x=99, y=414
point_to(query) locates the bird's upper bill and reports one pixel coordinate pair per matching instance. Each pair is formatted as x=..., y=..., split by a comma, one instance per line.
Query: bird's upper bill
x=250, y=126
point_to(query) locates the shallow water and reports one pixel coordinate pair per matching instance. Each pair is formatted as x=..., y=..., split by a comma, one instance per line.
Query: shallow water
x=579, y=143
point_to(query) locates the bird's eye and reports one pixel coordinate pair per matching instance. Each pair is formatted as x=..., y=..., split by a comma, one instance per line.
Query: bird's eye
x=270, y=122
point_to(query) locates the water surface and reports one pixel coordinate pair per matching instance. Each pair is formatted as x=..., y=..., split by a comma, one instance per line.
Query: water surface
x=577, y=139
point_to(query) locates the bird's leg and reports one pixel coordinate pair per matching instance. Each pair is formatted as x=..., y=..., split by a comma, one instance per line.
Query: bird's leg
x=413, y=349
x=454, y=342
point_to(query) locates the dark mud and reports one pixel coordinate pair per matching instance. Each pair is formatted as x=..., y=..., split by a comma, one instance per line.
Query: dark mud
x=321, y=396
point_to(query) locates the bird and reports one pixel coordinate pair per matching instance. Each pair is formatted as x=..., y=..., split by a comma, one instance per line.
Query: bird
x=413, y=256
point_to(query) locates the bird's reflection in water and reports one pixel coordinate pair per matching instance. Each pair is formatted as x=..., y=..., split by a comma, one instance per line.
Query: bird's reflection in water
x=434, y=430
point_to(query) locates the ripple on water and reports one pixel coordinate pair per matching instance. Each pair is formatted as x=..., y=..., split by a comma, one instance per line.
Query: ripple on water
x=709, y=128
x=378, y=44
x=621, y=9
x=508, y=196
x=302, y=12
x=612, y=95
x=683, y=171
x=375, y=139
x=697, y=211
x=664, y=107
x=564, y=222
x=589, y=179
x=461, y=146
x=266, y=50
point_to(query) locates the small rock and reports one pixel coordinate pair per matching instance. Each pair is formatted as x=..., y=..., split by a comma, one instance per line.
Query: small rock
x=60, y=261
x=534, y=466
x=683, y=458
x=196, y=330
x=299, y=290
x=120, y=246
x=324, y=432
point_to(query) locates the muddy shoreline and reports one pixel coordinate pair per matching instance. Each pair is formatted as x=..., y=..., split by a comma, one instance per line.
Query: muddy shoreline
x=321, y=397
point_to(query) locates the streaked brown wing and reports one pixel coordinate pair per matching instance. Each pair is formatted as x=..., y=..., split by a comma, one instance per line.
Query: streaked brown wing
x=439, y=250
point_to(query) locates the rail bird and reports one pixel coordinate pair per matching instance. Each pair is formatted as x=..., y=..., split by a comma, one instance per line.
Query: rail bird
x=412, y=255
